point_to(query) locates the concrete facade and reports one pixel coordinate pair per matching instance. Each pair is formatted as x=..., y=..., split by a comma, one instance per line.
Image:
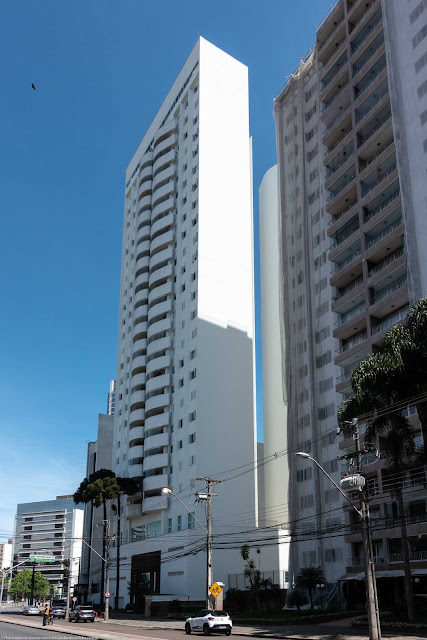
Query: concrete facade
x=352, y=160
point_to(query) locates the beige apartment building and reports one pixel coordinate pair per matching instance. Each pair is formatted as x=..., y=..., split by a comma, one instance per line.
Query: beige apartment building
x=351, y=127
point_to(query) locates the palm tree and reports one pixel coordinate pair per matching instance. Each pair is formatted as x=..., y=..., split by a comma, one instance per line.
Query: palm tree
x=128, y=487
x=308, y=578
x=397, y=373
x=396, y=437
x=100, y=487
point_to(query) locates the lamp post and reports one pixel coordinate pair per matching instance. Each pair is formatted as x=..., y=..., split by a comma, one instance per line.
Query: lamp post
x=371, y=589
x=320, y=586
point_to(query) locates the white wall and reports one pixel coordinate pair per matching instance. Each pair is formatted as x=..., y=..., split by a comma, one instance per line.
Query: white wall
x=276, y=473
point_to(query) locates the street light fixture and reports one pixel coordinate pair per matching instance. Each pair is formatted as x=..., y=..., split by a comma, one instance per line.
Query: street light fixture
x=371, y=587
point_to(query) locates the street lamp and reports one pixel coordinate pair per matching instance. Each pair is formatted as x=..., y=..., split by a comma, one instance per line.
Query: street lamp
x=320, y=586
x=358, y=481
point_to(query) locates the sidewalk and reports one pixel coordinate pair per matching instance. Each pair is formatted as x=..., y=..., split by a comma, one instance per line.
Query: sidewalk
x=131, y=629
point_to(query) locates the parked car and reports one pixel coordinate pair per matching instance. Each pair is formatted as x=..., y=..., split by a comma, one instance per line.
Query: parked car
x=31, y=610
x=83, y=612
x=58, y=612
x=208, y=621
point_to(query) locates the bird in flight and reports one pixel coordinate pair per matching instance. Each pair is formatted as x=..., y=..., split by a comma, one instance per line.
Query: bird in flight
x=33, y=86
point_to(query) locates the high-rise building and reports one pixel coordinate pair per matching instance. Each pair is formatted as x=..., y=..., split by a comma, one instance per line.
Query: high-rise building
x=184, y=384
x=111, y=400
x=50, y=528
x=275, y=498
x=6, y=555
x=99, y=454
x=352, y=161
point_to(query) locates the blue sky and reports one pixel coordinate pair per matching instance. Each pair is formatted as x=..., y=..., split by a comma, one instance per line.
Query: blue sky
x=102, y=69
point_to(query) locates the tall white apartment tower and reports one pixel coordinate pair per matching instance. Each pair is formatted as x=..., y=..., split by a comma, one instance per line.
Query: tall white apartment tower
x=184, y=384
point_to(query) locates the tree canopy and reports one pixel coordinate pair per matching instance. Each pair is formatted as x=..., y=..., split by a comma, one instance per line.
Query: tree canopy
x=41, y=585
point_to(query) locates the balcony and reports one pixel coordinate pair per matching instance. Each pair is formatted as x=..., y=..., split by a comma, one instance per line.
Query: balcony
x=370, y=241
x=366, y=56
x=344, y=291
x=339, y=160
x=157, y=482
x=136, y=418
x=138, y=364
x=370, y=77
x=387, y=262
x=164, y=145
x=163, y=161
x=341, y=215
x=345, y=232
x=390, y=321
x=163, y=192
x=414, y=556
x=162, y=241
x=162, y=224
x=374, y=125
x=333, y=71
x=344, y=263
x=157, y=440
x=156, y=461
x=137, y=399
x=387, y=291
x=343, y=111
x=345, y=317
x=352, y=342
x=157, y=421
x=372, y=101
x=159, y=401
x=164, y=255
x=162, y=207
x=380, y=203
x=158, y=382
x=154, y=503
x=136, y=436
x=342, y=191
x=365, y=32
x=160, y=276
x=336, y=91
x=158, y=344
x=162, y=362
x=348, y=266
x=135, y=470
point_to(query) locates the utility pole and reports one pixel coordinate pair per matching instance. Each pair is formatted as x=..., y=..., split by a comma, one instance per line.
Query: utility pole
x=208, y=495
x=107, y=572
x=32, y=583
x=370, y=581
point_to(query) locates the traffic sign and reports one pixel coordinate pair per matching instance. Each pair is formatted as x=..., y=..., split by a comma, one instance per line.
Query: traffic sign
x=74, y=599
x=215, y=590
x=41, y=559
x=107, y=594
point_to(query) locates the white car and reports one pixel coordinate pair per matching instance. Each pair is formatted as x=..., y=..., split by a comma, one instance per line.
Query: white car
x=208, y=621
x=31, y=611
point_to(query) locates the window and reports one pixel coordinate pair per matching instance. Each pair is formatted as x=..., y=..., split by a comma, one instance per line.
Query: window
x=306, y=501
x=192, y=438
x=331, y=466
x=179, y=523
x=417, y=11
x=326, y=385
x=192, y=416
x=329, y=439
x=304, y=474
x=326, y=412
x=153, y=529
x=333, y=555
x=324, y=359
x=304, y=421
x=179, y=444
x=192, y=374
x=169, y=525
x=191, y=523
x=422, y=33
x=193, y=354
x=192, y=460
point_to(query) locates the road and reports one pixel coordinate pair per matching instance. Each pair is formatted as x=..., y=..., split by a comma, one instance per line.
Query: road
x=12, y=632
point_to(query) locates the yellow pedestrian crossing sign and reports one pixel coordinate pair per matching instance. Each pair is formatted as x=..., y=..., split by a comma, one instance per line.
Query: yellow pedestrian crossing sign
x=215, y=590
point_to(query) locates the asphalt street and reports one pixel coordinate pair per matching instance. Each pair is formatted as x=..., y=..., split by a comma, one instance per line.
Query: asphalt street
x=12, y=632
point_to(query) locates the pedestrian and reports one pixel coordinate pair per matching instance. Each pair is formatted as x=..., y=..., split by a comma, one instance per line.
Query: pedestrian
x=46, y=615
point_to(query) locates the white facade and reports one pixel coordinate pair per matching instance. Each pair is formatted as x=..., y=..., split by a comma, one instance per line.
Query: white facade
x=111, y=399
x=184, y=392
x=5, y=555
x=276, y=474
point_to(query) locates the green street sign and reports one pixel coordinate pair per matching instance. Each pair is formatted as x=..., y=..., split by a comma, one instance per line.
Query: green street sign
x=40, y=559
